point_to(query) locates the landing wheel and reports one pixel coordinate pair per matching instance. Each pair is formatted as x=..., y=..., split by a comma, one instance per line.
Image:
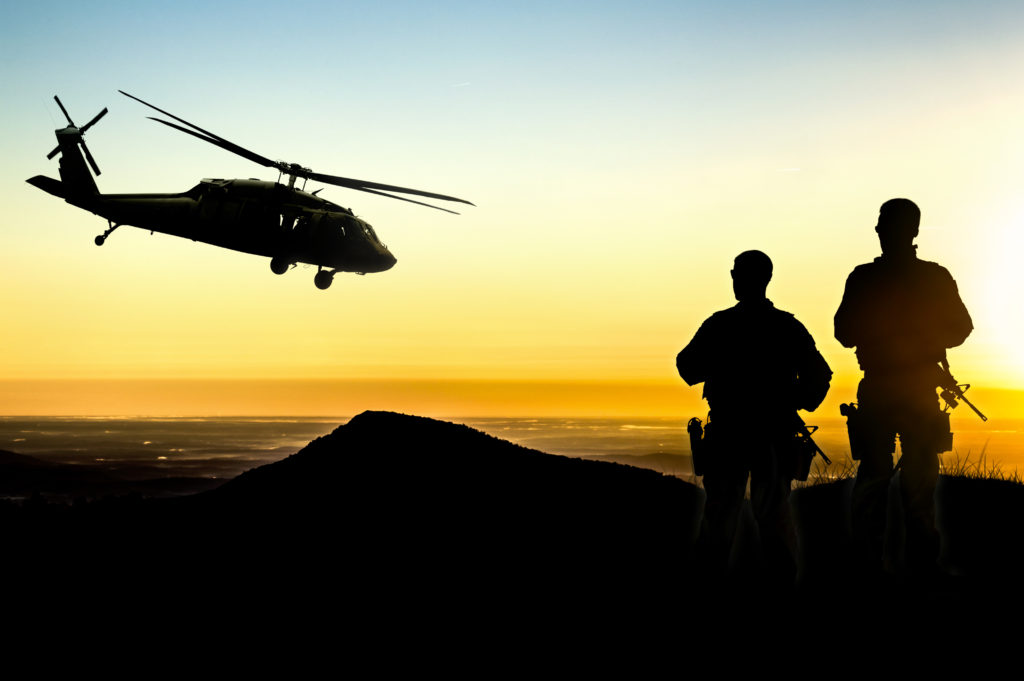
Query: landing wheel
x=279, y=265
x=323, y=279
x=103, y=237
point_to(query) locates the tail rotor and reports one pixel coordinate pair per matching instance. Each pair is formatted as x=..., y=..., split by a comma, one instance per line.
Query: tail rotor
x=78, y=133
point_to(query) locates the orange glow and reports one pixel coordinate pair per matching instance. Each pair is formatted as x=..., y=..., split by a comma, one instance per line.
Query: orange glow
x=438, y=398
x=186, y=397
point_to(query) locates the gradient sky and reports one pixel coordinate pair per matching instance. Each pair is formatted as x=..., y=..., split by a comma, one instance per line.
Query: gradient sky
x=620, y=155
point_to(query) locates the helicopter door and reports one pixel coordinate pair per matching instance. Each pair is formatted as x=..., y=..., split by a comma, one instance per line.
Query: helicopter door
x=215, y=210
x=258, y=215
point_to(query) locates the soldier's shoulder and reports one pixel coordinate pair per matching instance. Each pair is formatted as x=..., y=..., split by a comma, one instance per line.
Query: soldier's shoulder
x=726, y=321
x=932, y=267
x=724, y=315
x=863, y=274
x=716, y=322
x=933, y=274
x=787, y=326
x=865, y=269
x=879, y=268
x=789, y=320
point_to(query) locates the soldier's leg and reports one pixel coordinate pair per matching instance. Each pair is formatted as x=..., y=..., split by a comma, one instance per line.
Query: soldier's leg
x=869, y=503
x=769, y=497
x=724, y=486
x=919, y=474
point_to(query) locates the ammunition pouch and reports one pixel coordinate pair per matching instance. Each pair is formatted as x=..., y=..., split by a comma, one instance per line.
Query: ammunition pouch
x=798, y=451
x=866, y=437
x=941, y=434
x=700, y=445
x=859, y=431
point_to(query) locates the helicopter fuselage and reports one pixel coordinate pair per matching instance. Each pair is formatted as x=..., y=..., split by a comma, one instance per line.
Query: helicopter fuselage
x=253, y=216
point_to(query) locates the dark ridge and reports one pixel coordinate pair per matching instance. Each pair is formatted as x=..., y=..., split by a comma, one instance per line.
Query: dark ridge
x=445, y=497
x=25, y=476
x=982, y=525
x=402, y=514
x=679, y=465
x=13, y=460
x=22, y=475
x=387, y=511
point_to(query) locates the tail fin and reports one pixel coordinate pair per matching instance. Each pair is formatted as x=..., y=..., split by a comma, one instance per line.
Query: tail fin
x=48, y=185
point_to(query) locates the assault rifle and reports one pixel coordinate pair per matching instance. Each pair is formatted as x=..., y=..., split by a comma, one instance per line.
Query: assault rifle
x=806, y=446
x=953, y=391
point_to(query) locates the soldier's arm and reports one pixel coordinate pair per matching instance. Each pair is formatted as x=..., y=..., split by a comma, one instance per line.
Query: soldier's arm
x=693, y=360
x=955, y=322
x=814, y=374
x=848, y=316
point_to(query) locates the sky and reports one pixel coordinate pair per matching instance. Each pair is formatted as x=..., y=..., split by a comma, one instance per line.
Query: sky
x=620, y=155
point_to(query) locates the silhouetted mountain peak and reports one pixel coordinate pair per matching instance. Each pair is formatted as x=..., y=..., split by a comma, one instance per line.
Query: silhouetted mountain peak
x=397, y=490
x=418, y=436
x=406, y=428
x=387, y=461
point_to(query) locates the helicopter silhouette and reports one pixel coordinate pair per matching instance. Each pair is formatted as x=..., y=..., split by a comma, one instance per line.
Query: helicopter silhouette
x=271, y=219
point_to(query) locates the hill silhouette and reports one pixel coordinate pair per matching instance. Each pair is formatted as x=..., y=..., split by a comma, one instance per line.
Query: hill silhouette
x=448, y=506
x=397, y=513
x=388, y=508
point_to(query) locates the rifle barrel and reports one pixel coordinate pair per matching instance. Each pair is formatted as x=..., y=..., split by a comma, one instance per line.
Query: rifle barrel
x=807, y=433
x=827, y=460
x=976, y=410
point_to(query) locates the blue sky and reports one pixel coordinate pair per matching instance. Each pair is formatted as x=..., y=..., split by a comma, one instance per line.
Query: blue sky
x=619, y=154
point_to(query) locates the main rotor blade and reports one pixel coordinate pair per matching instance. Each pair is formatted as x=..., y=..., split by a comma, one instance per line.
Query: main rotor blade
x=95, y=118
x=70, y=122
x=209, y=136
x=402, y=198
x=89, y=158
x=222, y=143
x=363, y=185
x=293, y=169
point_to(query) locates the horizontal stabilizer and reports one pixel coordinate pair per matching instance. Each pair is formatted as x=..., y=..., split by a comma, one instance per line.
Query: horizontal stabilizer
x=49, y=185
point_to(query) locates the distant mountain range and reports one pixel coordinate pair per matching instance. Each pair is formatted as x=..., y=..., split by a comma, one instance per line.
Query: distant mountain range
x=24, y=476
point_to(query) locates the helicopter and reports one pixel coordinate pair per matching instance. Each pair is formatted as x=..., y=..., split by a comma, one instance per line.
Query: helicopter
x=280, y=221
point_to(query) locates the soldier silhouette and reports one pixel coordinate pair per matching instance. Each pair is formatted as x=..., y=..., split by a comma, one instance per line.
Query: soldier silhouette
x=901, y=314
x=759, y=365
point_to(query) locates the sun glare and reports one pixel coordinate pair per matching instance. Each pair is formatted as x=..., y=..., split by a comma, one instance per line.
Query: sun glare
x=1003, y=291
